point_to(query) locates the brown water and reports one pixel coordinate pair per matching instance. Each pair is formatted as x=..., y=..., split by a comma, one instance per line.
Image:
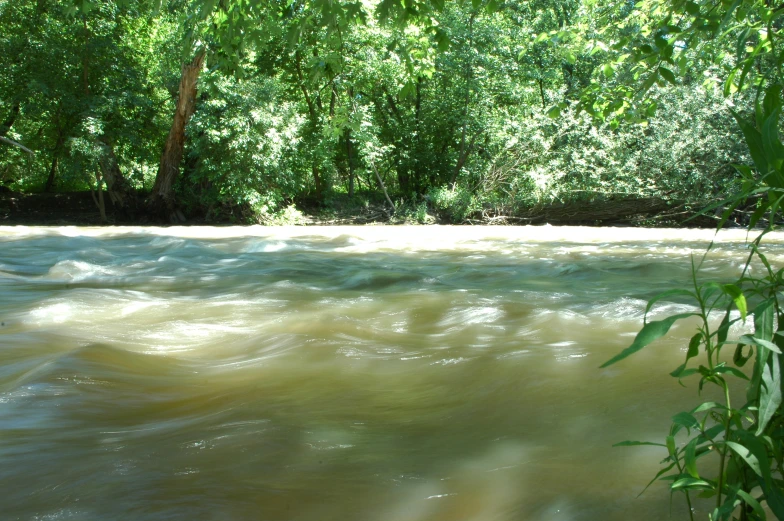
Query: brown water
x=352, y=374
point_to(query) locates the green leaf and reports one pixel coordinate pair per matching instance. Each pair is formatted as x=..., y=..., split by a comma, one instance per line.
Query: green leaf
x=754, y=454
x=729, y=84
x=207, y=7
x=763, y=320
x=739, y=358
x=725, y=369
x=636, y=443
x=690, y=458
x=724, y=327
x=694, y=346
x=442, y=39
x=771, y=144
x=689, y=483
x=711, y=433
x=747, y=339
x=772, y=101
x=685, y=419
x=753, y=503
x=745, y=171
x=407, y=90
x=692, y=8
x=649, y=81
x=775, y=500
x=707, y=406
x=758, y=213
x=774, y=209
x=694, y=350
x=554, y=112
x=668, y=75
x=770, y=392
x=737, y=297
x=753, y=140
x=740, y=45
x=650, y=332
x=746, y=455
x=671, y=445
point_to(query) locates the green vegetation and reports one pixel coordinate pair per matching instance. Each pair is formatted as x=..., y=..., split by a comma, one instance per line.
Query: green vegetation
x=245, y=111
x=733, y=454
x=233, y=111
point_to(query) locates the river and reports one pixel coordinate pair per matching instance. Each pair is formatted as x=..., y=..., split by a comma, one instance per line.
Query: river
x=352, y=374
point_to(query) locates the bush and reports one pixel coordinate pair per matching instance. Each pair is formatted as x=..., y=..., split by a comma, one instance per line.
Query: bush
x=454, y=204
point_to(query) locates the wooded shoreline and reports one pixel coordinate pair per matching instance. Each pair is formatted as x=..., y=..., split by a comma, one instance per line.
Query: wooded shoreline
x=81, y=208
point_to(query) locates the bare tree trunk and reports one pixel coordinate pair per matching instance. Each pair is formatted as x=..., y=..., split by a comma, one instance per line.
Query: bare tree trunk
x=162, y=196
x=15, y=144
x=381, y=184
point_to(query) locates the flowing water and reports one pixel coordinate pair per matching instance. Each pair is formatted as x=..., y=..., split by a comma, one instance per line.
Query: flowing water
x=352, y=374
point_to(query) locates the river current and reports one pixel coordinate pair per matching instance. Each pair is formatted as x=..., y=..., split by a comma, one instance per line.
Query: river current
x=351, y=374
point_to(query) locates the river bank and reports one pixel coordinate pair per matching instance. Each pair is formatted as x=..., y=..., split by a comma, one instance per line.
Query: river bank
x=82, y=208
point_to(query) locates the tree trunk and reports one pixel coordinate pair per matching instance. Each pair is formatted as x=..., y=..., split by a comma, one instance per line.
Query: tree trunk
x=469, y=73
x=162, y=196
x=605, y=212
x=465, y=151
x=99, y=200
x=349, y=153
x=9, y=121
x=116, y=184
x=55, y=159
x=15, y=144
x=382, y=186
x=314, y=120
x=350, y=150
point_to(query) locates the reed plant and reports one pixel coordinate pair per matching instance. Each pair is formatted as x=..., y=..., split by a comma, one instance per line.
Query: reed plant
x=745, y=441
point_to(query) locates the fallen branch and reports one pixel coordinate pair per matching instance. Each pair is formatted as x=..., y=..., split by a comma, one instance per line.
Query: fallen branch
x=381, y=184
x=14, y=143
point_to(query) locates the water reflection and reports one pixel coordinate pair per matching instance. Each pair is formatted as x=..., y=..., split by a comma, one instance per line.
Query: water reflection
x=356, y=373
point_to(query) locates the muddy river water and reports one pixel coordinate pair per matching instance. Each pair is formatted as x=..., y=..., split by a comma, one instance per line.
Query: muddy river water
x=348, y=374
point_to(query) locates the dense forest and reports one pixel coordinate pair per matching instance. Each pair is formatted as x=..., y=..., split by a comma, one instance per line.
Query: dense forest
x=245, y=111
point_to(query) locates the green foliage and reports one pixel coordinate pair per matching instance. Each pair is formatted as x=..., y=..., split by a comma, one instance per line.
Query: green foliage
x=454, y=204
x=746, y=443
x=302, y=100
x=742, y=442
